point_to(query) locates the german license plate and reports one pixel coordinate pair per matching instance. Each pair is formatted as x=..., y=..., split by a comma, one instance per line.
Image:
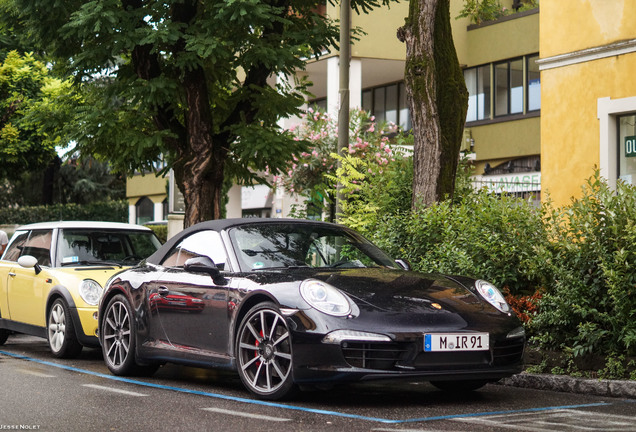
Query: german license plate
x=436, y=342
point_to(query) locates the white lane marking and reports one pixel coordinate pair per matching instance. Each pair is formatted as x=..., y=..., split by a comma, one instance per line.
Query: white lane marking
x=114, y=390
x=248, y=415
x=558, y=421
x=36, y=373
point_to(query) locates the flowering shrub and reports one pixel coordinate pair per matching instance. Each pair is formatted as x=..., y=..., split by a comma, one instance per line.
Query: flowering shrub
x=312, y=173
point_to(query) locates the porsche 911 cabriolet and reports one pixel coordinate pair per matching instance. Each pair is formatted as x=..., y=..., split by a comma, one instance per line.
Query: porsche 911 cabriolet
x=293, y=304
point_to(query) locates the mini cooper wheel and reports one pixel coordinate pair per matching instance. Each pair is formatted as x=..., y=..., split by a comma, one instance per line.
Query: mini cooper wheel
x=118, y=337
x=61, y=331
x=4, y=335
x=264, y=353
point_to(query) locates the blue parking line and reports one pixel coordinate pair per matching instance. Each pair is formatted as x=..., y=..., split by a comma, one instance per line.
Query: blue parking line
x=293, y=407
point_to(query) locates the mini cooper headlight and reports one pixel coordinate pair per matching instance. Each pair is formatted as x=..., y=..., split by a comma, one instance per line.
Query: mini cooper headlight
x=492, y=295
x=90, y=291
x=325, y=298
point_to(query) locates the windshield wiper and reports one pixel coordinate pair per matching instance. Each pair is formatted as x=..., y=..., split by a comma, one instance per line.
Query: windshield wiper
x=91, y=262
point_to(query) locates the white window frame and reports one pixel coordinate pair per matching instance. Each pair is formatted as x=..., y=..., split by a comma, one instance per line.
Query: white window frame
x=608, y=110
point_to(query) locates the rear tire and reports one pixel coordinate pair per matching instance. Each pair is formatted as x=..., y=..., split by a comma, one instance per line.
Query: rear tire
x=61, y=331
x=462, y=386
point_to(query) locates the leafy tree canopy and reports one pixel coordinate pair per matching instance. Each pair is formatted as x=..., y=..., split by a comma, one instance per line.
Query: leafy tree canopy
x=28, y=93
x=196, y=82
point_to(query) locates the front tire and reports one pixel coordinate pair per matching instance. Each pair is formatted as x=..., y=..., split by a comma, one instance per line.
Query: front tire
x=61, y=331
x=264, y=353
x=119, y=339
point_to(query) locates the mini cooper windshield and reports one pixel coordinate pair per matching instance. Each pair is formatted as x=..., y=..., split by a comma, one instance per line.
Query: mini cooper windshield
x=269, y=246
x=120, y=247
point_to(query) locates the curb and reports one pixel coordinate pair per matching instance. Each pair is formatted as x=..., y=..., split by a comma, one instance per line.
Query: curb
x=568, y=384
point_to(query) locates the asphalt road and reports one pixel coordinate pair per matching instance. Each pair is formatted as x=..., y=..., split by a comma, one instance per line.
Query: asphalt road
x=40, y=392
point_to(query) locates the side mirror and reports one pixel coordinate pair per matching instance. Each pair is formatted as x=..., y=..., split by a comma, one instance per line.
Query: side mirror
x=202, y=264
x=404, y=264
x=28, y=261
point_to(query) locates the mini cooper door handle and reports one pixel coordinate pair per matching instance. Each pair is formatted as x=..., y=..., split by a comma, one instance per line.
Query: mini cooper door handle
x=163, y=290
x=11, y=274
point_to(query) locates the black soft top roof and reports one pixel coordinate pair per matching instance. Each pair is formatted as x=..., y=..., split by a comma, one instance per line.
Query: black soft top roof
x=221, y=225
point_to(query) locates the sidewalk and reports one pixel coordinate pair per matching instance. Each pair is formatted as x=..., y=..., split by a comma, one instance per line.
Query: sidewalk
x=568, y=384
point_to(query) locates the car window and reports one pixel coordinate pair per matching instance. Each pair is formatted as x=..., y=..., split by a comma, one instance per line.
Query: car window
x=126, y=247
x=303, y=245
x=201, y=243
x=16, y=246
x=36, y=243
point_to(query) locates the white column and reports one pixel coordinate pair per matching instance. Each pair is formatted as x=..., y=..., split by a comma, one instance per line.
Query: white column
x=333, y=85
x=132, y=214
x=355, y=84
x=158, y=212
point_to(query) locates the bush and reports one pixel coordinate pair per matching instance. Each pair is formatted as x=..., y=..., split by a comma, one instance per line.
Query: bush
x=114, y=211
x=590, y=305
x=482, y=235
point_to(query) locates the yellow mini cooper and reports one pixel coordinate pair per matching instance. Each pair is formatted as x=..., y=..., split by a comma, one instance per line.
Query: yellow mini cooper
x=52, y=274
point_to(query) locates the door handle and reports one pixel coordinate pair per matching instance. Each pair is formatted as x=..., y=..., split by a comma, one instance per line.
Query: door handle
x=11, y=274
x=162, y=290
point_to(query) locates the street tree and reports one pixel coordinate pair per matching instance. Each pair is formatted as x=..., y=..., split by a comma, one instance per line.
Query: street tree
x=28, y=93
x=195, y=83
x=437, y=96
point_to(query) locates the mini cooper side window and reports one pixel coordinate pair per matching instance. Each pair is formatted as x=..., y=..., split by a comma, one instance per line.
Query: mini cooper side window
x=202, y=243
x=36, y=243
x=16, y=246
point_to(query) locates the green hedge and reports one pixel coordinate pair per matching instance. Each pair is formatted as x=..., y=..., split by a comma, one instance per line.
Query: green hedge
x=570, y=269
x=113, y=211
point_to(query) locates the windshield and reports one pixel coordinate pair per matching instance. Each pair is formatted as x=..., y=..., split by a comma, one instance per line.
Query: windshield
x=90, y=246
x=304, y=245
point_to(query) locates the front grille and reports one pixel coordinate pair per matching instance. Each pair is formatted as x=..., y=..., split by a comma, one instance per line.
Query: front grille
x=379, y=356
x=508, y=351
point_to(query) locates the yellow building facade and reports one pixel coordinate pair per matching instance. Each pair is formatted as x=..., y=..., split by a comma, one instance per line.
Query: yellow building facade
x=588, y=59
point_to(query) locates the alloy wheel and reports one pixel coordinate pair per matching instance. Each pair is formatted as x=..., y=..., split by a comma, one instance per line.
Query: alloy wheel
x=116, y=334
x=264, y=353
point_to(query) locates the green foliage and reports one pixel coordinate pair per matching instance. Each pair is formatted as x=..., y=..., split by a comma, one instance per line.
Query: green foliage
x=27, y=91
x=115, y=211
x=188, y=80
x=487, y=10
x=590, y=305
x=480, y=235
x=313, y=173
x=481, y=10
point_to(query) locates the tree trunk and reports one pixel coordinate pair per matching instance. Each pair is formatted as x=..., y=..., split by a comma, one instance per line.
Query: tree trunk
x=437, y=96
x=203, y=167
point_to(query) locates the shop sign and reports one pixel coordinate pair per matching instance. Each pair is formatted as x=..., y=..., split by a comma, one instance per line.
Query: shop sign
x=510, y=183
x=630, y=146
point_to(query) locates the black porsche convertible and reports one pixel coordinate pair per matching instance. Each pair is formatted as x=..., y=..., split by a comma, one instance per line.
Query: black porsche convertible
x=295, y=304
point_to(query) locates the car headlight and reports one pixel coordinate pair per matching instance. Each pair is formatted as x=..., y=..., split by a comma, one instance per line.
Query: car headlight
x=492, y=295
x=90, y=291
x=325, y=298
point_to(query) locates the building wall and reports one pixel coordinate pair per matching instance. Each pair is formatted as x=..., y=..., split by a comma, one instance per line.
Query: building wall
x=147, y=185
x=582, y=67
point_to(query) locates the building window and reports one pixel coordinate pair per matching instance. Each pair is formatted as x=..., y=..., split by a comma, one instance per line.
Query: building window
x=534, y=84
x=515, y=88
x=144, y=210
x=478, y=85
x=388, y=104
x=509, y=87
x=627, y=148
